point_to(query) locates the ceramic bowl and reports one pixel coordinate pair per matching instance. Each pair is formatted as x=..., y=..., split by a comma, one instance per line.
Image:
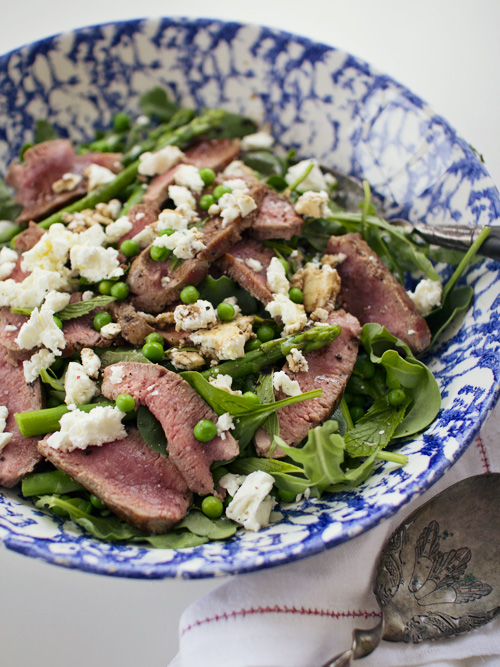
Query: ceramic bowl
x=324, y=103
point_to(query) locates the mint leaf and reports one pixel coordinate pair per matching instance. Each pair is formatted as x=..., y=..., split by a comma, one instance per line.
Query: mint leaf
x=81, y=308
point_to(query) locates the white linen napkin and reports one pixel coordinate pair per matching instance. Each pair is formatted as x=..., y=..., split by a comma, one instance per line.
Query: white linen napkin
x=303, y=613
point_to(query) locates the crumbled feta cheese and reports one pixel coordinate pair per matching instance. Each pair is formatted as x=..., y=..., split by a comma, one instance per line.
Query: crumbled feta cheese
x=185, y=360
x=231, y=482
x=184, y=243
x=67, y=183
x=110, y=209
x=151, y=164
x=276, y=277
x=90, y=361
x=172, y=219
x=181, y=196
x=226, y=340
x=116, y=374
x=188, y=176
x=5, y=438
x=251, y=504
x=319, y=315
x=320, y=285
x=315, y=180
x=296, y=361
x=237, y=184
x=291, y=314
x=79, y=388
x=225, y=423
x=97, y=175
x=258, y=141
x=40, y=329
x=10, y=328
x=39, y=362
x=31, y=292
x=8, y=259
x=117, y=229
x=235, y=204
x=237, y=169
x=95, y=263
x=224, y=382
x=313, y=204
x=110, y=331
x=214, y=210
x=145, y=237
x=4, y=413
x=80, y=430
x=282, y=382
x=51, y=250
x=87, y=295
x=254, y=264
x=427, y=295
x=193, y=316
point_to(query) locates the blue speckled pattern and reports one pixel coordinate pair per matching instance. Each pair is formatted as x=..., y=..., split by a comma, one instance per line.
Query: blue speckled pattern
x=324, y=103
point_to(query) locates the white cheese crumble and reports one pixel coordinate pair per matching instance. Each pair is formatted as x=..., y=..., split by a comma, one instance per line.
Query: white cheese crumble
x=313, y=204
x=226, y=340
x=254, y=264
x=95, y=263
x=235, y=204
x=67, y=183
x=237, y=184
x=184, y=243
x=225, y=423
x=116, y=374
x=193, y=316
x=281, y=381
x=237, y=169
x=427, y=295
x=97, y=175
x=40, y=329
x=231, y=482
x=251, y=505
x=146, y=236
x=50, y=252
x=224, y=382
x=39, y=362
x=276, y=277
x=117, y=229
x=185, y=360
x=8, y=259
x=151, y=164
x=188, y=176
x=79, y=388
x=31, y=292
x=261, y=140
x=296, y=361
x=110, y=331
x=80, y=430
x=90, y=361
x=315, y=180
x=5, y=436
x=292, y=314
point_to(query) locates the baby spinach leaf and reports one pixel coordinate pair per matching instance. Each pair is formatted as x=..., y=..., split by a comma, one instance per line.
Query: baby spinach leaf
x=216, y=290
x=45, y=131
x=81, y=308
x=175, y=540
x=265, y=162
x=455, y=303
x=151, y=430
x=156, y=103
x=199, y=524
x=287, y=477
x=233, y=126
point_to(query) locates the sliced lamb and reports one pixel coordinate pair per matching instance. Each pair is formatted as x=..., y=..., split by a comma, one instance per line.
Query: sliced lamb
x=371, y=293
x=134, y=327
x=42, y=166
x=178, y=408
x=329, y=369
x=80, y=332
x=243, y=263
x=140, y=216
x=276, y=218
x=10, y=324
x=213, y=153
x=28, y=237
x=141, y=486
x=20, y=455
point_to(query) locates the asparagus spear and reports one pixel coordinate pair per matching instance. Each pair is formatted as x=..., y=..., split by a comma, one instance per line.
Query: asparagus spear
x=269, y=352
x=40, y=422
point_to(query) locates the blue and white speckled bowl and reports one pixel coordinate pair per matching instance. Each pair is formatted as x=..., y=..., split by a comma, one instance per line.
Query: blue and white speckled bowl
x=324, y=103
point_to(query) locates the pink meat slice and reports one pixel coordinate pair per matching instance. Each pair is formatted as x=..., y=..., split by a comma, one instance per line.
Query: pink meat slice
x=19, y=456
x=178, y=408
x=141, y=486
x=276, y=218
x=45, y=163
x=234, y=264
x=329, y=369
x=371, y=293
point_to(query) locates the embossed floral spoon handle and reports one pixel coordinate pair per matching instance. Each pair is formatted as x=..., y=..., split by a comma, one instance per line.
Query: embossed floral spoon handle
x=437, y=575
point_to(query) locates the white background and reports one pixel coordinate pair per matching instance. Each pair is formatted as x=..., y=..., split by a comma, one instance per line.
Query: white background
x=447, y=52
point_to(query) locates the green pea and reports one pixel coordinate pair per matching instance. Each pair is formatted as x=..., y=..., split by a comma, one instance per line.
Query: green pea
x=155, y=337
x=253, y=344
x=356, y=413
x=166, y=232
x=125, y=402
x=220, y=190
x=105, y=287
x=226, y=312
x=205, y=430
x=207, y=175
x=120, y=290
x=58, y=321
x=396, y=397
x=121, y=122
x=97, y=502
x=189, y=294
x=159, y=253
x=251, y=396
x=296, y=295
x=287, y=496
x=101, y=319
x=206, y=201
x=265, y=333
x=367, y=369
x=212, y=507
x=129, y=248
x=152, y=351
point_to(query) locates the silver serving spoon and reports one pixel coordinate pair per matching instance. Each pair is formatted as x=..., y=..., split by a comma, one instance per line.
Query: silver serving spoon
x=438, y=574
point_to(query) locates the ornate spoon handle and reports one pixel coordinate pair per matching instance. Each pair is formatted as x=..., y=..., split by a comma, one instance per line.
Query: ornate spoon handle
x=364, y=642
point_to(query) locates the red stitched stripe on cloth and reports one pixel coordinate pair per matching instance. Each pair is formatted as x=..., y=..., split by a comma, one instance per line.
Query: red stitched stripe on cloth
x=483, y=455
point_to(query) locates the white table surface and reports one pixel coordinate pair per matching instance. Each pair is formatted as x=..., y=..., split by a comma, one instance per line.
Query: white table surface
x=446, y=51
